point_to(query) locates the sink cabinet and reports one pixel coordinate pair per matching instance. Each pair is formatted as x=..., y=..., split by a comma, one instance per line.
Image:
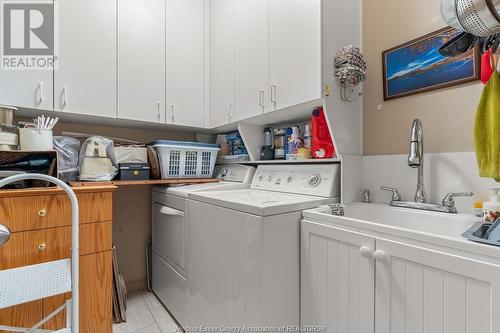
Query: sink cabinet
x=353, y=282
x=338, y=288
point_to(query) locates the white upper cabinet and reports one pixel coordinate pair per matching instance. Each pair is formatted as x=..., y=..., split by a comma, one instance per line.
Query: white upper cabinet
x=185, y=65
x=221, y=62
x=294, y=52
x=141, y=60
x=85, y=81
x=26, y=88
x=251, y=57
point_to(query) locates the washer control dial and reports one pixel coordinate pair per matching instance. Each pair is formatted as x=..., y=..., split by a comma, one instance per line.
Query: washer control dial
x=314, y=180
x=224, y=173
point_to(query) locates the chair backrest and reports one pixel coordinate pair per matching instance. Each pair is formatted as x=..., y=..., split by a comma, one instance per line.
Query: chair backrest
x=30, y=283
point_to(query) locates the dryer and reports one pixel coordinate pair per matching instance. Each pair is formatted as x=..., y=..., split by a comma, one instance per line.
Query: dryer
x=169, y=233
x=244, y=254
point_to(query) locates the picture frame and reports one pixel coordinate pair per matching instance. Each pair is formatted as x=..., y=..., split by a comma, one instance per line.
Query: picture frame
x=416, y=67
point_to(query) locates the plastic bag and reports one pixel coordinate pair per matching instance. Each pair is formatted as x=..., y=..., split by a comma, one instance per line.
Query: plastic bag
x=68, y=150
x=97, y=160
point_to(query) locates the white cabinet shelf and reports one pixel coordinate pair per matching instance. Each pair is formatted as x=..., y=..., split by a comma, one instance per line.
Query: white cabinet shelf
x=326, y=160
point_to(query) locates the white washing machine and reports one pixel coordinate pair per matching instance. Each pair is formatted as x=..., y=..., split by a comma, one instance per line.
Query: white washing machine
x=244, y=253
x=169, y=232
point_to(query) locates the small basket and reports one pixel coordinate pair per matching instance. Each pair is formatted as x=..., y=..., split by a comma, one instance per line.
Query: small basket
x=186, y=159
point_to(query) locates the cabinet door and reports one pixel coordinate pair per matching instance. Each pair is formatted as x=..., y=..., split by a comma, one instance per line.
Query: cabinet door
x=221, y=62
x=185, y=79
x=422, y=290
x=26, y=88
x=141, y=60
x=294, y=52
x=251, y=57
x=85, y=82
x=337, y=279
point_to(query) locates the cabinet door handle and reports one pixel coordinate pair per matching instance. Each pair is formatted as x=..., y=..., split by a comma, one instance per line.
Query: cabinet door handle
x=381, y=256
x=261, y=99
x=273, y=93
x=365, y=252
x=40, y=91
x=4, y=234
x=158, y=109
x=229, y=111
x=172, y=109
x=171, y=211
x=64, y=100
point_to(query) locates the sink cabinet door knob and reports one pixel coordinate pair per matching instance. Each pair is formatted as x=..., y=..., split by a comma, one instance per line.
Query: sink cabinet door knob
x=365, y=252
x=381, y=256
x=42, y=247
x=42, y=212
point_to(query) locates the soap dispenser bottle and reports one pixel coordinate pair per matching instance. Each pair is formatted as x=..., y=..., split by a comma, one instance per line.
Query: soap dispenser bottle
x=491, y=209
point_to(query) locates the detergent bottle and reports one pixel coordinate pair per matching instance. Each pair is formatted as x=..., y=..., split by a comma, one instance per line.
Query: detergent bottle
x=322, y=144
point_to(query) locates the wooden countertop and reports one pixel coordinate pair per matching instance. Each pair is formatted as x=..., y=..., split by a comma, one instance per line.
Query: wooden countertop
x=53, y=191
x=145, y=182
x=93, y=187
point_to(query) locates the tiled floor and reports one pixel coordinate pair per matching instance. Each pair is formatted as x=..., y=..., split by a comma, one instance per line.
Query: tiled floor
x=145, y=314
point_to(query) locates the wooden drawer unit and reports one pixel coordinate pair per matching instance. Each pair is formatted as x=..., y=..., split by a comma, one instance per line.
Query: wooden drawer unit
x=40, y=222
x=38, y=210
x=33, y=247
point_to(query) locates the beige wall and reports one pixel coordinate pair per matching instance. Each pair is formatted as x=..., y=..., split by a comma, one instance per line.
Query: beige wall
x=132, y=205
x=447, y=115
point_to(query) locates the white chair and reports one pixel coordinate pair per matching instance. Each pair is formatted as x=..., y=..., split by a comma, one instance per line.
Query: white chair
x=29, y=283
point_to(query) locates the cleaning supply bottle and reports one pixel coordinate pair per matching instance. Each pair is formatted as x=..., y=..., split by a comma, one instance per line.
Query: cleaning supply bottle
x=307, y=137
x=322, y=144
x=491, y=209
x=267, y=149
x=294, y=144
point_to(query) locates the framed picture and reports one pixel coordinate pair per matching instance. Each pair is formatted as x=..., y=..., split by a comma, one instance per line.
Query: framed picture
x=416, y=67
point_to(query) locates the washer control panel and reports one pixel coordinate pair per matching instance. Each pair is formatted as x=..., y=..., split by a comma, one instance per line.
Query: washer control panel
x=312, y=179
x=234, y=173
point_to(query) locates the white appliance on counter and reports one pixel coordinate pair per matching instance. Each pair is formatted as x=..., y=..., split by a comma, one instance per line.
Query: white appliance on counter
x=244, y=247
x=170, y=233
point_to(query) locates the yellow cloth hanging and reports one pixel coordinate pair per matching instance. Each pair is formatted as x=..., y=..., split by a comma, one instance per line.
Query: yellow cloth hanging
x=487, y=130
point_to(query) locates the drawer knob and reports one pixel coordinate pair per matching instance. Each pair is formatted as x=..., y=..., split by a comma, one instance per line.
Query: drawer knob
x=42, y=212
x=42, y=247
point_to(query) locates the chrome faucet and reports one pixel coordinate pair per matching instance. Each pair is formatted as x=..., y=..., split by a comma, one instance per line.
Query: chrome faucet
x=416, y=158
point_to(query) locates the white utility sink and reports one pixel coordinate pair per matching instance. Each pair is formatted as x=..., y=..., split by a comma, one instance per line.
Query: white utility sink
x=443, y=224
x=404, y=219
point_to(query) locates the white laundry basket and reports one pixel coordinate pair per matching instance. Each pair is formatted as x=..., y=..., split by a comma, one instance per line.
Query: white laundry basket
x=186, y=159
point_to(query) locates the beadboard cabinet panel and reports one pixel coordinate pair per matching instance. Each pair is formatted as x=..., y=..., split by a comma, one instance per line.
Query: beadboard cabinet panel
x=423, y=290
x=337, y=279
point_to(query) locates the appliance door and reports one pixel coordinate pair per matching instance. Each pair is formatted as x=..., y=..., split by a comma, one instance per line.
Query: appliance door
x=170, y=287
x=169, y=229
x=243, y=269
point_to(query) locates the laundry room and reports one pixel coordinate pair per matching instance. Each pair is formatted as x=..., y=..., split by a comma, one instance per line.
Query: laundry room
x=248, y=166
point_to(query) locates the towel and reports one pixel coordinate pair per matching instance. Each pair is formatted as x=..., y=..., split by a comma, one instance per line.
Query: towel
x=487, y=130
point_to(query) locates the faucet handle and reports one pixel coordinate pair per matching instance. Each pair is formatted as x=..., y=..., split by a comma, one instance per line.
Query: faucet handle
x=449, y=201
x=396, y=196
